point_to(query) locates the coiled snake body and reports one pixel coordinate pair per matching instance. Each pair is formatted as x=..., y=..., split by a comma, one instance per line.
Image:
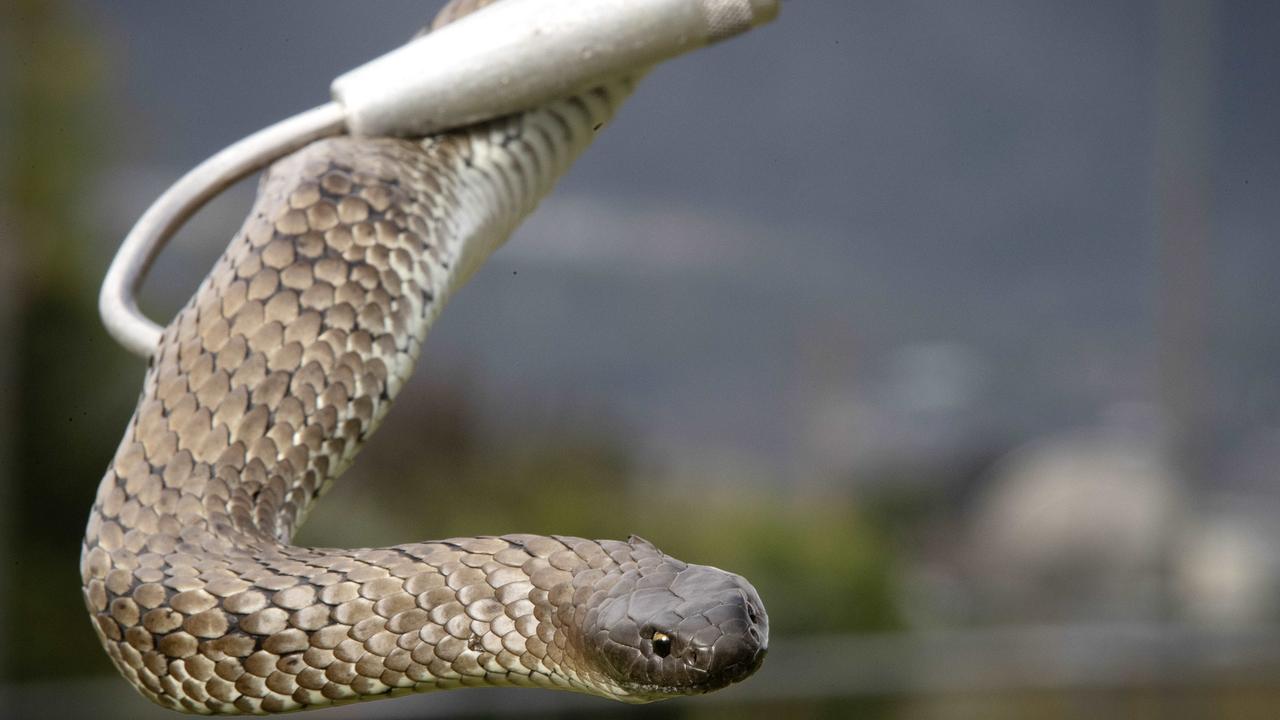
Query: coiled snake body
x=260, y=393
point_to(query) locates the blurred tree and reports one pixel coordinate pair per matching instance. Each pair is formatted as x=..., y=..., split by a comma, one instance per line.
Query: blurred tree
x=70, y=403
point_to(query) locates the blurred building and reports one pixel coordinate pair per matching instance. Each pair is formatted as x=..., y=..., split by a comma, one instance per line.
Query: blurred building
x=1074, y=528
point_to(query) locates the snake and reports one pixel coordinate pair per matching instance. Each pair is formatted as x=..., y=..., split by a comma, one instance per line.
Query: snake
x=260, y=393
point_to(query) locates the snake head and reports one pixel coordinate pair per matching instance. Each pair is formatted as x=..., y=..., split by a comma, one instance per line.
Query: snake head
x=660, y=628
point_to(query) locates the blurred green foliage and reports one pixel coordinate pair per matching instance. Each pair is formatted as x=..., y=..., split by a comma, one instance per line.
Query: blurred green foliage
x=73, y=386
x=819, y=563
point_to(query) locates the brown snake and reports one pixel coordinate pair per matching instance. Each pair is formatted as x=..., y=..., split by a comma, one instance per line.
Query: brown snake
x=263, y=388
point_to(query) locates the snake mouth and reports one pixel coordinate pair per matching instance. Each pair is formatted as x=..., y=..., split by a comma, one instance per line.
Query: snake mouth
x=737, y=672
x=728, y=675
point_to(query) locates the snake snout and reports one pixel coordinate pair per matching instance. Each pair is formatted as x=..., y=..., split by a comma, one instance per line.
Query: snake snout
x=735, y=640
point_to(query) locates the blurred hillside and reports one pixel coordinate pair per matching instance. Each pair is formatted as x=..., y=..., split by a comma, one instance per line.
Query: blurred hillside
x=949, y=325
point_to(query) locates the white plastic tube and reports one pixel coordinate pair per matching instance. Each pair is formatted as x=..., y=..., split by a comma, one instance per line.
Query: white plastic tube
x=517, y=54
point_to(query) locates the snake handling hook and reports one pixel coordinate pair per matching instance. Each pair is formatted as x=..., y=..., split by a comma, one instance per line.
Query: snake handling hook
x=507, y=57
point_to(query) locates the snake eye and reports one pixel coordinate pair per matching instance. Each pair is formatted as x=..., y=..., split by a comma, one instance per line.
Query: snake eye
x=661, y=644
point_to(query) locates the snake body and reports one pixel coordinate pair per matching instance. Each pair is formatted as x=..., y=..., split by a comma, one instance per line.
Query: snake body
x=262, y=390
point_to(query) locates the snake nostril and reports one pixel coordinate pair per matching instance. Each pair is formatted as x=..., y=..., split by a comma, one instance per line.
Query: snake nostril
x=753, y=613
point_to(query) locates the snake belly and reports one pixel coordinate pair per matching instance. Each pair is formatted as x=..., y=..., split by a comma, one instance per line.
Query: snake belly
x=262, y=390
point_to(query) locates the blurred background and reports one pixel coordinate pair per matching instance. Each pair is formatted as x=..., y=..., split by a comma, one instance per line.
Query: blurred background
x=951, y=325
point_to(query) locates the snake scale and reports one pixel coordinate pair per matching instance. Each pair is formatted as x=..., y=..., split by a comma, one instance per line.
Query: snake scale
x=262, y=390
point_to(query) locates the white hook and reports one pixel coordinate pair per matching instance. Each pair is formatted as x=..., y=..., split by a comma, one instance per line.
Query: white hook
x=507, y=57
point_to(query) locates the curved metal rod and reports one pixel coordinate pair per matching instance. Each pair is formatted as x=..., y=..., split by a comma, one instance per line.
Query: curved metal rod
x=116, y=302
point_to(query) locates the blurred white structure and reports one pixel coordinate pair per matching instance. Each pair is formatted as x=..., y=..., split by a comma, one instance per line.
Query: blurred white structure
x=1092, y=527
x=1074, y=528
x=1226, y=573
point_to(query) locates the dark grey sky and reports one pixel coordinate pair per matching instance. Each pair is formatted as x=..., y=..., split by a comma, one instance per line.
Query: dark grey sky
x=909, y=222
